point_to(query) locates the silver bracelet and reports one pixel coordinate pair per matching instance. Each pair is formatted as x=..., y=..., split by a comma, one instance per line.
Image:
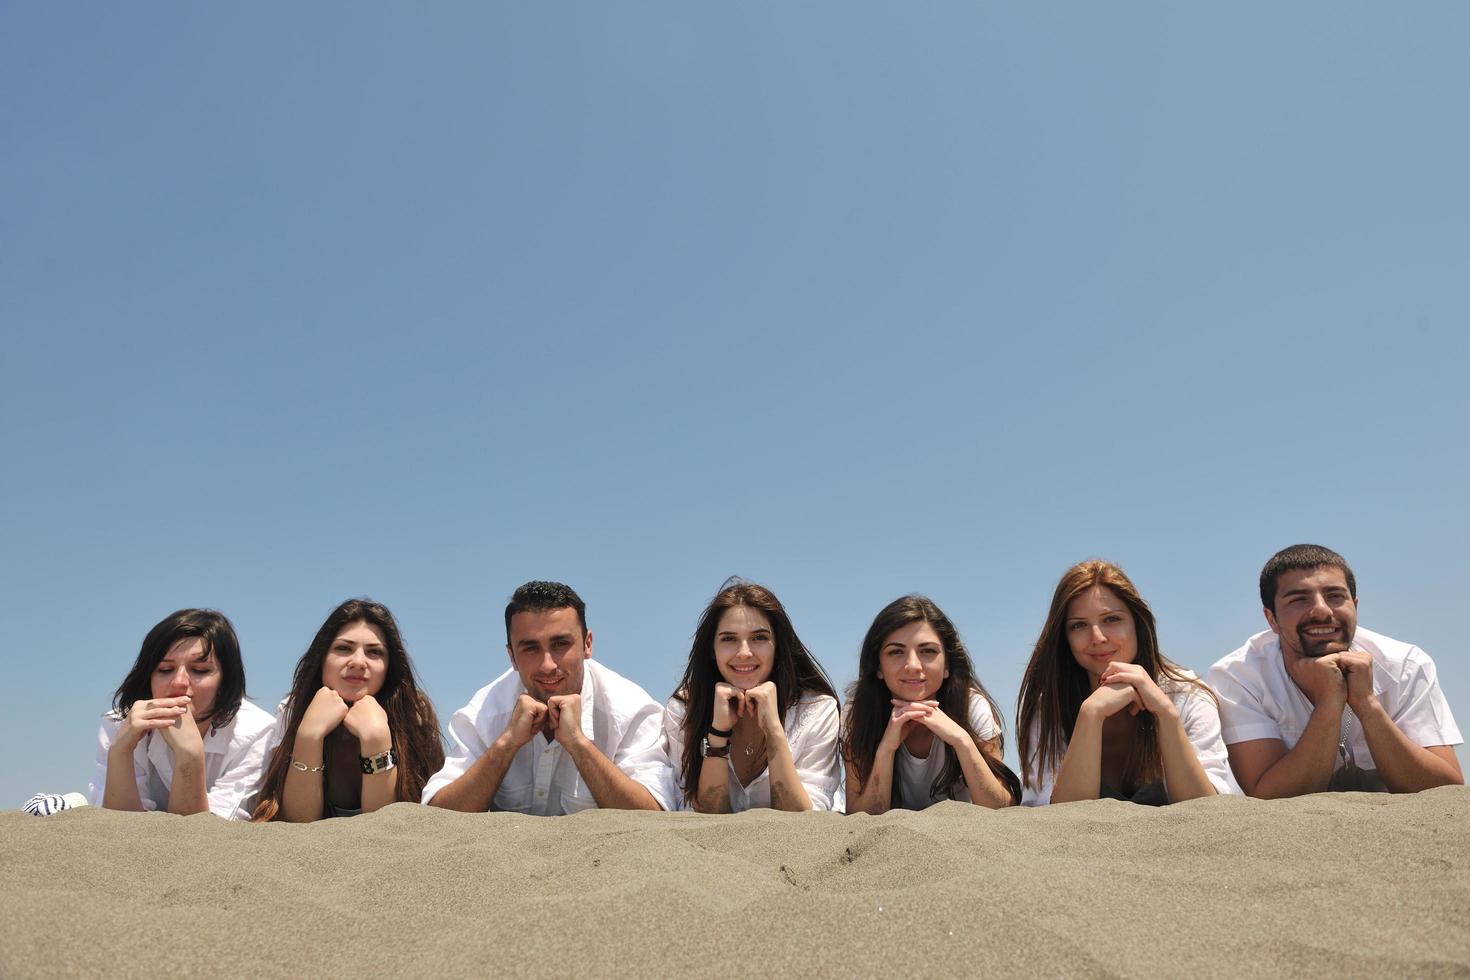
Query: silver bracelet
x=305, y=768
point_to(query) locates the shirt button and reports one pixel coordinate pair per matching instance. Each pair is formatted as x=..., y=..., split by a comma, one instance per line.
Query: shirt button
x=540, y=794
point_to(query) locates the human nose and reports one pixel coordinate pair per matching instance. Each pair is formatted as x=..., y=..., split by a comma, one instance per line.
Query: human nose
x=178, y=682
x=1097, y=635
x=911, y=662
x=548, y=663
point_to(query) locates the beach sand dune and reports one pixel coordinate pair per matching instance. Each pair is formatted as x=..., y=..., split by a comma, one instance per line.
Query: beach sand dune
x=1345, y=884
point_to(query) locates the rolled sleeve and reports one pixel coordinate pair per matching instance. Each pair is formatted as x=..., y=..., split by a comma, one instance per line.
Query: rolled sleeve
x=815, y=753
x=1242, y=718
x=1423, y=713
x=1200, y=717
x=232, y=796
x=641, y=756
x=466, y=744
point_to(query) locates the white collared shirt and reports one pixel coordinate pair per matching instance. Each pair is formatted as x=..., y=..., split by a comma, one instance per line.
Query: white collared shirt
x=1200, y=717
x=811, y=732
x=1258, y=698
x=234, y=762
x=619, y=717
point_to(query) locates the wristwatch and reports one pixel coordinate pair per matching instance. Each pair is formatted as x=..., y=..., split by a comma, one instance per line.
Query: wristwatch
x=714, y=751
x=381, y=762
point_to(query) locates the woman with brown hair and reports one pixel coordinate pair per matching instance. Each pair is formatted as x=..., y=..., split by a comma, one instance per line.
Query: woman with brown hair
x=920, y=727
x=355, y=733
x=1103, y=713
x=753, y=722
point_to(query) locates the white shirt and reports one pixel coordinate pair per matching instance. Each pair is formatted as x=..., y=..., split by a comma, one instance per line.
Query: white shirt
x=915, y=777
x=234, y=762
x=811, y=732
x=1201, y=720
x=619, y=717
x=1258, y=698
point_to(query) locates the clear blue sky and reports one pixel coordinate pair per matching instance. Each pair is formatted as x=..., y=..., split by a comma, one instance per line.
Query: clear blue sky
x=303, y=302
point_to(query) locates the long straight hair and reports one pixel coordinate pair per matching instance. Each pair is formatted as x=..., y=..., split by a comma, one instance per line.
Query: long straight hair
x=219, y=640
x=1055, y=684
x=794, y=671
x=411, y=719
x=870, y=707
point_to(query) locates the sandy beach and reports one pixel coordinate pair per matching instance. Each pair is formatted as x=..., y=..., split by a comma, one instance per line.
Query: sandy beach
x=1347, y=884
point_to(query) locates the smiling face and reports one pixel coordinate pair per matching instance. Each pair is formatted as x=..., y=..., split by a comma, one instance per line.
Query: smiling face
x=188, y=668
x=1315, y=613
x=745, y=647
x=911, y=662
x=356, y=663
x=1100, y=630
x=548, y=649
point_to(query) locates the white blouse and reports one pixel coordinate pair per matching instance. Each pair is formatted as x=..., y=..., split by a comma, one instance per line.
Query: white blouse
x=811, y=732
x=915, y=776
x=234, y=762
x=1201, y=719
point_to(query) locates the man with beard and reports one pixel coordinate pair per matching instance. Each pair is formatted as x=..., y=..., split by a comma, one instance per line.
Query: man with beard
x=557, y=732
x=1317, y=704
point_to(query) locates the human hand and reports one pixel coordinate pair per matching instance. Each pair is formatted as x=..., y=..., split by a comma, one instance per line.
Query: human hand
x=945, y=728
x=1319, y=678
x=905, y=715
x=761, y=703
x=322, y=716
x=729, y=705
x=527, y=718
x=183, y=738
x=367, y=720
x=1151, y=697
x=149, y=715
x=564, y=718
x=1357, y=672
x=1109, y=699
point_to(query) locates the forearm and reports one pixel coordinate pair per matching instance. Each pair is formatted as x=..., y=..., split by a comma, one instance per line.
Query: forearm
x=302, y=792
x=1184, y=776
x=474, y=790
x=120, y=792
x=1080, y=775
x=713, y=792
x=787, y=791
x=1307, y=767
x=874, y=796
x=380, y=788
x=186, y=793
x=610, y=786
x=1403, y=766
x=985, y=787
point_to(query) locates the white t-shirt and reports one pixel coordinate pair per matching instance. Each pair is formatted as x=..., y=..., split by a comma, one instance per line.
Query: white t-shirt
x=1258, y=698
x=617, y=715
x=914, y=776
x=1201, y=720
x=234, y=762
x=811, y=732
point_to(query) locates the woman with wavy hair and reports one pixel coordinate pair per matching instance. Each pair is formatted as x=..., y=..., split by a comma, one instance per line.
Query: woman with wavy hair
x=180, y=736
x=1103, y=713
x=355, y=733
x=753, y=722
x=920, y=727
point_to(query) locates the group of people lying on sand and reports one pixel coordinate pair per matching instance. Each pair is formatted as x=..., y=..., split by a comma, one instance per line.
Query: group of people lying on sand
x=1312, y=704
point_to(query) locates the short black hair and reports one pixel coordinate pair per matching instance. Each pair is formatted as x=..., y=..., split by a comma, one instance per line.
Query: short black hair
x=544, y=596
x=1297, y=558
x=219, y=639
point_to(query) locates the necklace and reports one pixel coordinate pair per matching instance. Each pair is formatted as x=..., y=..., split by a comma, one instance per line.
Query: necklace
x=749, y=751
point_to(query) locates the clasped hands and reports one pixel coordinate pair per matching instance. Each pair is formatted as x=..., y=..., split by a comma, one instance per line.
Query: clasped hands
x=907, y=714
x=759, y=702
x=560, y=715
x=1334, y=679
x=1128, y=686
x=169, y=717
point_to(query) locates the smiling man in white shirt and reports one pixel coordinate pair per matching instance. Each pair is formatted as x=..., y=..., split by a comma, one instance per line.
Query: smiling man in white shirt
x=558, y=732
x=1316, y=703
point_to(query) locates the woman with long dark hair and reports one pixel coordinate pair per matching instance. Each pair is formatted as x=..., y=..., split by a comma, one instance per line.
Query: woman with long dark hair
x=1103, y=713
x=753, y=722
x=355, y=733
x=180, y=736
x=920, y=727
